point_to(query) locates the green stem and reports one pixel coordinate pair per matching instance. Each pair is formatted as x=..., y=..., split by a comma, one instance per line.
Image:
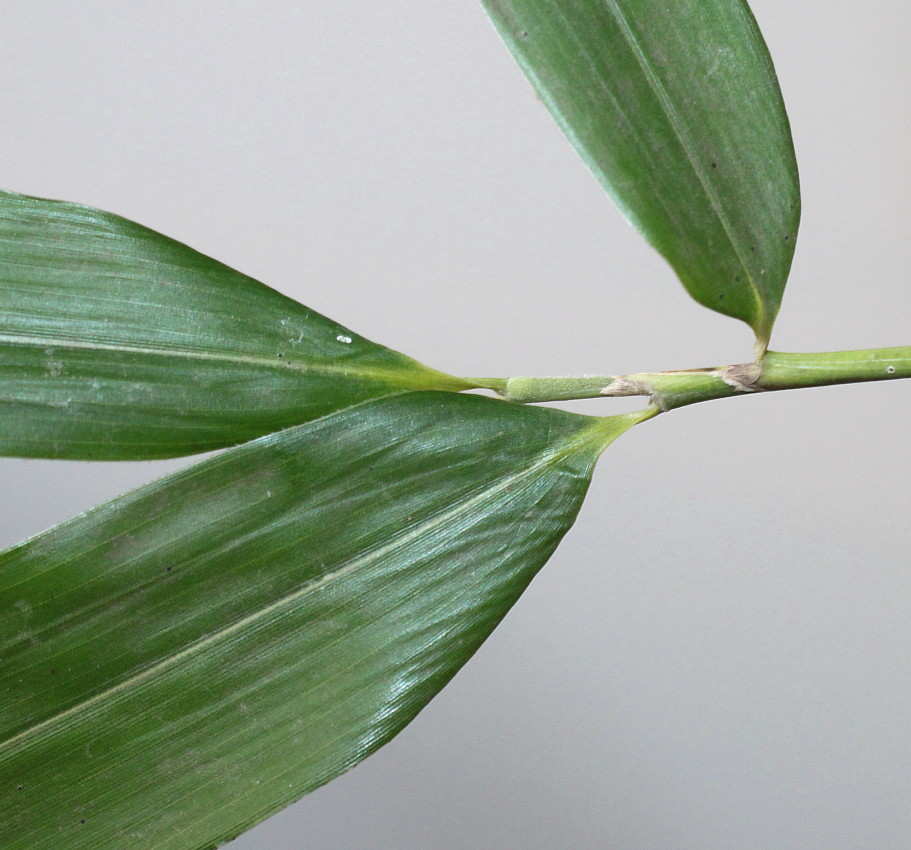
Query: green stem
x=791, y=371
x=667, y=390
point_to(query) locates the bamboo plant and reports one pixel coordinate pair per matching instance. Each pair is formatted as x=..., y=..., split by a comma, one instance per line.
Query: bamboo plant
x=180, y=663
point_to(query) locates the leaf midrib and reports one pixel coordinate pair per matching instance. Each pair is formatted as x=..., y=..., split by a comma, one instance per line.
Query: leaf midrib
x=290, y=361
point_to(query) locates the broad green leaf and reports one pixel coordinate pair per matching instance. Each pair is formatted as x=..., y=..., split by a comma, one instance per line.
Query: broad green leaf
x=180, y=663
x=676, y=109
x=117, y=342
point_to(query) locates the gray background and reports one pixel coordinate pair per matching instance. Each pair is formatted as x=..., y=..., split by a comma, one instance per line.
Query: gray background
x=718, y=656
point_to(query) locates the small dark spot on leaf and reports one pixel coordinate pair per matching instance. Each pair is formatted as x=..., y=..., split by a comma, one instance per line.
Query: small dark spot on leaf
x=81, y=820
x=168, y=569
x=752, y=248
x=53, y=671
x=714, y=165
x=737, y=278
x=19, y=788
x=523, y=34
x=281, y=353
x=786, y=238
x=721, y=297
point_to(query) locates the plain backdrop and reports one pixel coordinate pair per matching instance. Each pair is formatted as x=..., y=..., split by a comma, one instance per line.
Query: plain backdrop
x=718, y=655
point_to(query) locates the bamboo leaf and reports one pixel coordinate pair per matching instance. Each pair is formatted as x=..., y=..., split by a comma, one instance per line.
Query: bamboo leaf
x=184, y=661
x=676, y=109
x=119, y=343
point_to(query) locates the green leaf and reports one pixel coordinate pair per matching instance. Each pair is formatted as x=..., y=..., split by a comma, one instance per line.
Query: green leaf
x=119, y=343
x=186, y=660
x=676, y=109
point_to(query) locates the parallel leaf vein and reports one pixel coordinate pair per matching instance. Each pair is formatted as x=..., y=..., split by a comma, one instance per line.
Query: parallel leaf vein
x=427, y=527
x=688, y=147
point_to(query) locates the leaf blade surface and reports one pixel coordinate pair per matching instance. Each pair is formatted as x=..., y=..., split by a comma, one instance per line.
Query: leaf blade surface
x=676, y=109
x=117, y=342
x=180, y=663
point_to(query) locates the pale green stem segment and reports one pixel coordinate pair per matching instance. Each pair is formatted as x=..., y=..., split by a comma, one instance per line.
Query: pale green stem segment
x=667, y=390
